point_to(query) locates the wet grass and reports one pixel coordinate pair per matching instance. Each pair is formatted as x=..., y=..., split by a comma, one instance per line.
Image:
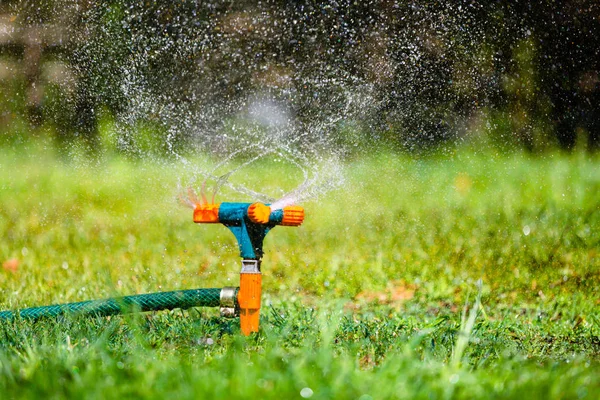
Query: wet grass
x=462, y=275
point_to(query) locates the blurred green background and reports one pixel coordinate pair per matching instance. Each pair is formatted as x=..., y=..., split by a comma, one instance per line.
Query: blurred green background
x=514, y=74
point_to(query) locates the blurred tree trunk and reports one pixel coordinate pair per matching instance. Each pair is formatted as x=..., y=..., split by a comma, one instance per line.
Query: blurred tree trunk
x=32, y=60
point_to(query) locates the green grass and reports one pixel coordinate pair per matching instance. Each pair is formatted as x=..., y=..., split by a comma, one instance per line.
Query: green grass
x=416, y=279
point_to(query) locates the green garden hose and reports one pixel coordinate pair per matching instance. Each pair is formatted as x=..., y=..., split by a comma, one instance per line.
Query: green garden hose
x=141, y=302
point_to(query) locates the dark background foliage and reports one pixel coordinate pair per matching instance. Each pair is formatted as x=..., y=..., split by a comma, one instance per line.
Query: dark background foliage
x=523, y=73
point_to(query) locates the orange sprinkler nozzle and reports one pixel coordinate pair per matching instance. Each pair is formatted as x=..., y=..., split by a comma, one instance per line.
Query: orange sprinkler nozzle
x=259, y=213
x=292, y=216
x=206, y=213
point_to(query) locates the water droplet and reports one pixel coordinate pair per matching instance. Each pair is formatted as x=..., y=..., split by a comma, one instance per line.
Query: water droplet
x=526, y=230
x=306, y=392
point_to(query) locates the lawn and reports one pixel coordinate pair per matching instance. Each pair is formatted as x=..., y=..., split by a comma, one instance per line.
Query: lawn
x=462, y=274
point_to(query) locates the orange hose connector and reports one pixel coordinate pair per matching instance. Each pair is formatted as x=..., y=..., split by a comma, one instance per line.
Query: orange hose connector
x=249, y=302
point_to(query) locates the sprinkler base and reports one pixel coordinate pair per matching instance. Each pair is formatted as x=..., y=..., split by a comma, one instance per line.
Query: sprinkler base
x=249, y=296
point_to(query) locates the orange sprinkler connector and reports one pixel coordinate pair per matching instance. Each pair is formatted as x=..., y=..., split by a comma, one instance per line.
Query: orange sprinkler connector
x=292, y=216
x=206, y=213
x=259, y=213
x=249, y=301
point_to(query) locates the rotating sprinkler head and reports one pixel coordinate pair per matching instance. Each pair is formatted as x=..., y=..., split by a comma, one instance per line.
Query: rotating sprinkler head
x=250, y=223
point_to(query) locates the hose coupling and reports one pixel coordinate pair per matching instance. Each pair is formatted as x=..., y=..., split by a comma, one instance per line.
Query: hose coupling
x=228, y=302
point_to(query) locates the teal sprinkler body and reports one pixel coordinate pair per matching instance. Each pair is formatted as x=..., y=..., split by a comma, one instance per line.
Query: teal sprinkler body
x=249, y=234
x=249, y=223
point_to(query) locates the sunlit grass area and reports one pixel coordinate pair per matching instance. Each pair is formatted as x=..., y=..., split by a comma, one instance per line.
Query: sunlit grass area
x=463, y=274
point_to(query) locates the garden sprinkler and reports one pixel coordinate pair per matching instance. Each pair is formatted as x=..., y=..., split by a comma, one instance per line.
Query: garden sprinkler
x=249, y=222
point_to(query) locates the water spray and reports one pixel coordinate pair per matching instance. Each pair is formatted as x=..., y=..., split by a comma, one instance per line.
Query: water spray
x=249, y=222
